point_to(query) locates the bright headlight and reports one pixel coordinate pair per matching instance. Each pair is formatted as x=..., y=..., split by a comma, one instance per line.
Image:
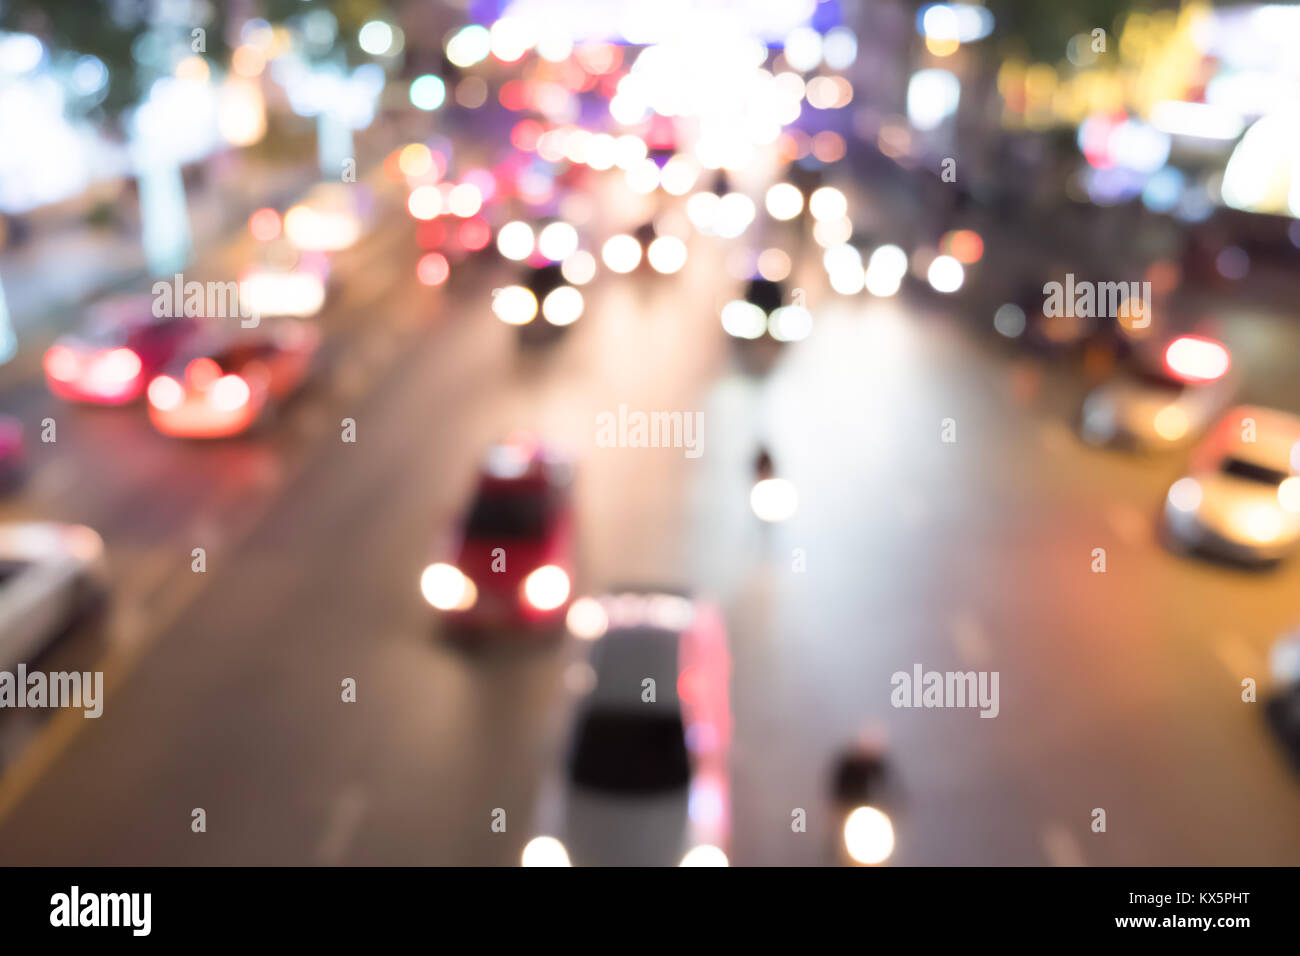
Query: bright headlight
x=868, y=836
x=705, y=855
x=547, y=588
x=545, y=851
x=447, y=589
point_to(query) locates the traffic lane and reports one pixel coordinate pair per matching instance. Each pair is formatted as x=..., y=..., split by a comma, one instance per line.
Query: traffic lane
x=238, y=704
x=921, y=551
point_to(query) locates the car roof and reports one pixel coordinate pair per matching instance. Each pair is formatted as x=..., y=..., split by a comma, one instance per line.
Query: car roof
x=1276, y=435
x=624, y=657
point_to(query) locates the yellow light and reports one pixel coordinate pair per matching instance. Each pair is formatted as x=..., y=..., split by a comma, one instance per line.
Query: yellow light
x=1288, y=494
x=415, y=159
x=1263, y=524
x=1171, y=423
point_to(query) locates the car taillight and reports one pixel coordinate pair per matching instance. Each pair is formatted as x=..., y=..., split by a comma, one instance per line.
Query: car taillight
x=546, y=588
x=165, y=393
x=1194, y=358
x=202, y=372
x=119, y=366
x=61, y=363
x=229, y=393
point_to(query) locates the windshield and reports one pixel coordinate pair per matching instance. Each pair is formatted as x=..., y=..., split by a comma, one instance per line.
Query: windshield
x=1252, y=472
x=507, y=516
x=630, y=752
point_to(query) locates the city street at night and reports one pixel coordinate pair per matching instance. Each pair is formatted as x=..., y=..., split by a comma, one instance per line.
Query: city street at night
x=627, y=417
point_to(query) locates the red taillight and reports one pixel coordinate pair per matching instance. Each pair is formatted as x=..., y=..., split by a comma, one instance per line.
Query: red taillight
x=118, y=367
x=202, y=372
x=165, y=393
x=61, y=363
x=1194, y=358
x=229, y=393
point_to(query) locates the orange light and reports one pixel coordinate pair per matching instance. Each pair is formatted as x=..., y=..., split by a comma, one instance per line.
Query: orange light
x=965, y=246
x=415, y=159
x=202, y=372
x=264, y=224
x=1194, y=358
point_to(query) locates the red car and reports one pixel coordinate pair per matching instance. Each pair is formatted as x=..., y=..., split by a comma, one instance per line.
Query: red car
x=221, y=384
x=511, y=561
x=121, y=348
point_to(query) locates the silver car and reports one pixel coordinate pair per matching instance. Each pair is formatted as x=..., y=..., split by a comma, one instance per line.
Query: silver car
x=646, y=780
x=1241, y=499
x=1159, y=405
x=49, y=574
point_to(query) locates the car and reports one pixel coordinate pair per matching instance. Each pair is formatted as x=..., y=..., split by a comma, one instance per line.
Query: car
x=864, y=832
x=1162, y=403
x=1241, y=499
x=645, y=781
x=50, y=576
x=112, y=358
x=222, y=384
x=510, y=562
x=285, y=282
x=763, y=312
x=13, y=453
x=1282, y=708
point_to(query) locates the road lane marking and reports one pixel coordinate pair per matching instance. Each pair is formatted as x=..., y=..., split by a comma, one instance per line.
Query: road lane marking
x=1060, y=847
x=969, y=637
x=345, y=816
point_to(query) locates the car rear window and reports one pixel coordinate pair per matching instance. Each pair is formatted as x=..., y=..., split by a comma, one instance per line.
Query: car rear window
x=507, y=516
x=627, y=751
x=1241, y=468
x=1157, y=379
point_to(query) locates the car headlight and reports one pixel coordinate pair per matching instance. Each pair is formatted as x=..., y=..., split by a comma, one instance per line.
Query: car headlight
x=447, y=589
x=1263, y=523
x=545, y=851
x=868, y=836
x=705, y=855
x=546, y=588
x=1185, y=495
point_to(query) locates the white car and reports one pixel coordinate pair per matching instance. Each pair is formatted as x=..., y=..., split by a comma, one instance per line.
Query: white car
x=646, y=781
x=1162, y=404
x=49, y=575
x=1242, y=498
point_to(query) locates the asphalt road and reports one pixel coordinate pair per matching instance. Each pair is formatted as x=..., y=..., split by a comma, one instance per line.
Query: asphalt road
x=1119, y=691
